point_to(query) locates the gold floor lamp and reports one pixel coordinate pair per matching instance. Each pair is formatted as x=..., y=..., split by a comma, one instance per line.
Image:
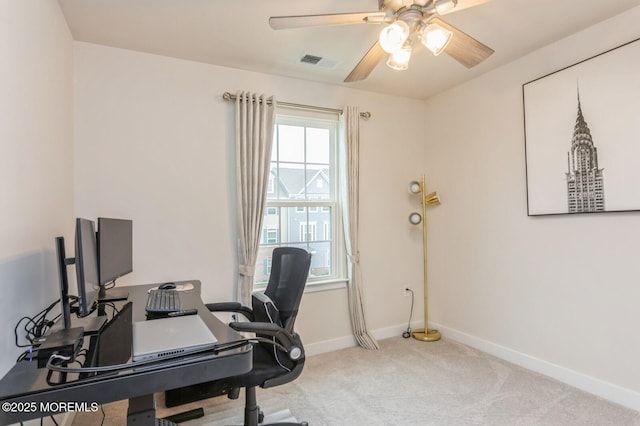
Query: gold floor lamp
x=432, y=199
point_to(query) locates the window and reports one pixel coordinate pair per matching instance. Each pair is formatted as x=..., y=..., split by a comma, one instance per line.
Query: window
x=302, y=195
x=308, y=231
x=271, y=235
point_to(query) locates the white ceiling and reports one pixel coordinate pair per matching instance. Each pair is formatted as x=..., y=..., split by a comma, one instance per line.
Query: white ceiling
x=237, y=34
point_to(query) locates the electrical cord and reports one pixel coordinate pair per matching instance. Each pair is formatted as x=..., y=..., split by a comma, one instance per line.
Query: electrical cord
x=35, y=327
x=61, y=368
x=275, y=349
x=406, y=334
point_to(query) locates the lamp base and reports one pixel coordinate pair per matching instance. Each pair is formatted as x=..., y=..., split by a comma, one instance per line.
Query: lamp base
x=429, y=336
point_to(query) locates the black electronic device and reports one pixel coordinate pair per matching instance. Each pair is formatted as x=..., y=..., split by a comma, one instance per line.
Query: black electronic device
x=115, y=340
x=63, y=262
x=86, y=266
x=64, y=342
x=167, y=286
x=115, y=255
x=161, y=302
x=91, y=325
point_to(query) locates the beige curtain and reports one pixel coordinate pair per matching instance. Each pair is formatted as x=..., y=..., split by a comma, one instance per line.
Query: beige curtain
x=255, y=116
x=350, y=182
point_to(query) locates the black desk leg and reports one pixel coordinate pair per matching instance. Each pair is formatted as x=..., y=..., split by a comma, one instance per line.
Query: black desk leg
x=142, y=411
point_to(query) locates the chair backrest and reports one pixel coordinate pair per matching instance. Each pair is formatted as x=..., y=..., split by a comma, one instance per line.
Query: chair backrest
x=289, y=272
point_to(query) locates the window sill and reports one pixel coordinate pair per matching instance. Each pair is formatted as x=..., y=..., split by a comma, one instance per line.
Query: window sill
x=316, y=286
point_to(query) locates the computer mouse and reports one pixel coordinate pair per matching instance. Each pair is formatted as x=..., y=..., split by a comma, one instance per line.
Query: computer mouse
x=167, y=286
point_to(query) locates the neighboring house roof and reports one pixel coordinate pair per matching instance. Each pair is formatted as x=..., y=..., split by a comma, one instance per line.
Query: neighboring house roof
x=294, y=181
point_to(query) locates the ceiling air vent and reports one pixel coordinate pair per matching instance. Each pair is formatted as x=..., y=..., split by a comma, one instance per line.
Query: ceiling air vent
x=310, y=59
x=319, y=61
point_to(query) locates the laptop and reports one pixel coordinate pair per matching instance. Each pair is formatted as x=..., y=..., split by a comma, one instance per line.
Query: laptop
x=166, y=337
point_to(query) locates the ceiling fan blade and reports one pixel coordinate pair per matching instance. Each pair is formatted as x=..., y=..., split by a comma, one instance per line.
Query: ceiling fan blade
x=464, y=48
x=366, y=64
x=461, y=5
x=288, y=22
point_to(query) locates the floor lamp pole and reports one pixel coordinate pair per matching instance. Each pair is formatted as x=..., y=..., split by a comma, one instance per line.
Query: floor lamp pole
x=426, y=334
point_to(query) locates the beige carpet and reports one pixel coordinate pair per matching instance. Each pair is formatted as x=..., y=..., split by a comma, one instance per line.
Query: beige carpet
x=406, y=383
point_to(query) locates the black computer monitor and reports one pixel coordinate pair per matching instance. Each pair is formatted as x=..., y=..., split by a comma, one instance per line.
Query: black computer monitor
x=86, y=266
x=115, y=248
x=115, y=255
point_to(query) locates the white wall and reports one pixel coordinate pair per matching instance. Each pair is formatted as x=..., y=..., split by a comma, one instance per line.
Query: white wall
x=154, y=143
x=557, y=294
x=36, y=180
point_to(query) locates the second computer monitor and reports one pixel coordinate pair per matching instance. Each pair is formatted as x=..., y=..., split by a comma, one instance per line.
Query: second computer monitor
x=115, y=248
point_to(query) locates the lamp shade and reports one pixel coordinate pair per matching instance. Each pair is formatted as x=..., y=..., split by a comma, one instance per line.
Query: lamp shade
x=432, y=199
x=445, y=6
x=399, y=60
x=392, y=37
x=415, y=218
x=415, y=187
x=435, y=38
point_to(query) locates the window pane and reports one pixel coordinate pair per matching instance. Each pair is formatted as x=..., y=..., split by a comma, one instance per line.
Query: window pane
x=270, y=226
x=320, y=259
x=318, y=150
x=291, y=181
x=273, y=187
x=296, y=216
x=263, y=264
x=318, y=185
x=290, y=143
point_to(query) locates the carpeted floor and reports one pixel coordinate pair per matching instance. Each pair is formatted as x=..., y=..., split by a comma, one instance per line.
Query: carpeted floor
x=406, y=383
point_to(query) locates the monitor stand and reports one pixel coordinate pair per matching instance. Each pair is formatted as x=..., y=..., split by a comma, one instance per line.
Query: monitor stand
x=112, y=295
x=92, y=325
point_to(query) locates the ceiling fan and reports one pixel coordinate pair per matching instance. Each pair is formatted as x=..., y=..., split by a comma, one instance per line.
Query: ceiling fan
x=408, y=21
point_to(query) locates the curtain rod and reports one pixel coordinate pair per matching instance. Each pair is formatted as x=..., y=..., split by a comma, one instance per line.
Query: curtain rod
x=365, y=115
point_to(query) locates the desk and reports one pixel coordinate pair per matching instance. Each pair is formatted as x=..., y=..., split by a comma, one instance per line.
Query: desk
x=26, y=385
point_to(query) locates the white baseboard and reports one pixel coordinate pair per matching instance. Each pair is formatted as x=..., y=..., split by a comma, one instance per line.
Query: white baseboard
x=592, y=385
x=350, y=341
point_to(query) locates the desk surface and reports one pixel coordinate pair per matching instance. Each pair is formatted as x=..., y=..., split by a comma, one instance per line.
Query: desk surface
x=28, y=394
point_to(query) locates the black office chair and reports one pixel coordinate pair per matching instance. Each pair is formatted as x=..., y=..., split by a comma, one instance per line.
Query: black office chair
x=279, y=356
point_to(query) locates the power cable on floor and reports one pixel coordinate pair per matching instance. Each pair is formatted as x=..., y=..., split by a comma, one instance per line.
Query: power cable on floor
x=407, y=333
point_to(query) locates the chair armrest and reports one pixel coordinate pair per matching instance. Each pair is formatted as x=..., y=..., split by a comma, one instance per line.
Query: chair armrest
x=267, y=328
x=230, y=307
x=291, y=342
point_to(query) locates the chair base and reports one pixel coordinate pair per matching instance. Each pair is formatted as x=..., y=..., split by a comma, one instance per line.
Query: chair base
x=252, y=414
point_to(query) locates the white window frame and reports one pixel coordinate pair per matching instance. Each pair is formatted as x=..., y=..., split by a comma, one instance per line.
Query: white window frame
x=337, y=260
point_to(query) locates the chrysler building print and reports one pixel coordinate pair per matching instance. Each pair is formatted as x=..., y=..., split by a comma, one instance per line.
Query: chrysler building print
x=585, y=189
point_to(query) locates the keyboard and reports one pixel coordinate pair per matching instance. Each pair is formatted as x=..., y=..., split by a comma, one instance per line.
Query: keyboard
x=163, y=301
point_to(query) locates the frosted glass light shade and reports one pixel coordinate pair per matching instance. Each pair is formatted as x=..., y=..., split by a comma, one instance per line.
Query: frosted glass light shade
x=435, y=38
x=415, y=218
x=400, y=60
x=392, y=37
x=445, y=6
x=415, y=187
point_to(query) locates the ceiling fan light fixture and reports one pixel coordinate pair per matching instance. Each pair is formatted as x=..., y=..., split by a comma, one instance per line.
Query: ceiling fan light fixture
x=399, y=60
x=392, y=37
x=436, y=38
x=445, y=6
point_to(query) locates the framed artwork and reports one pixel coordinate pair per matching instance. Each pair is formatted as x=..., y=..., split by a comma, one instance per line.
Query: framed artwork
x=582, y=135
